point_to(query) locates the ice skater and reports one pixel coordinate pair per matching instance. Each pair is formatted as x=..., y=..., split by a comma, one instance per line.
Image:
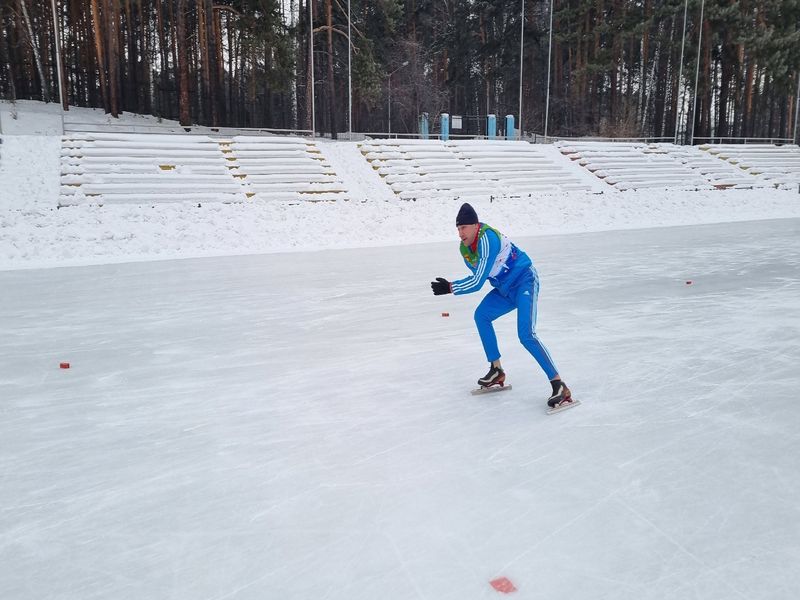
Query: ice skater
x=491, y=255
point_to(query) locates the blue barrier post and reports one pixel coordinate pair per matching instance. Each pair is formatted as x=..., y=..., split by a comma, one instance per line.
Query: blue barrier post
x=445, y=127
x=491, y=126
x=510, y=132
x=423, y=126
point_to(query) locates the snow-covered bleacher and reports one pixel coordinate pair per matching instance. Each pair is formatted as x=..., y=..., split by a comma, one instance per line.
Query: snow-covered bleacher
x=103, y=167
x=627, y=166
x=777, y=166
x=416, y=168
x=464, y=168
x=284, y=168
x=719, y=173
x=517, y=168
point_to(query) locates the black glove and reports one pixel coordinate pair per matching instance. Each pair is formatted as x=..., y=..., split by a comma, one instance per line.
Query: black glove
x=441, y=286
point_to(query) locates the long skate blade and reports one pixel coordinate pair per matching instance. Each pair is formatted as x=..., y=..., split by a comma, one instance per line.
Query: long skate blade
x=490, y=390
x=563, y=407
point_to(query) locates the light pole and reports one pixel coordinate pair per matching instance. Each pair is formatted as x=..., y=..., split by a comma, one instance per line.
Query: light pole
x=57, y=37
x=680, y=73
x=350, y=78
x=549, y=62
x=521, y=46
x=405, y=64
x=697, y=71
x=311, y=62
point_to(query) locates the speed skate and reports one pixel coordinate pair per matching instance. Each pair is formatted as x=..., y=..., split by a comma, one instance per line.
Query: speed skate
x=488, y=389
x=565, y=405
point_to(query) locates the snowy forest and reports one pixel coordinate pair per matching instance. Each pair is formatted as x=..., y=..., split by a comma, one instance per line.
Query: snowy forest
x=617, y=68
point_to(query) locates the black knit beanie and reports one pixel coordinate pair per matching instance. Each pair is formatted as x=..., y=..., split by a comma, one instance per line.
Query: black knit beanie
x=466, y=215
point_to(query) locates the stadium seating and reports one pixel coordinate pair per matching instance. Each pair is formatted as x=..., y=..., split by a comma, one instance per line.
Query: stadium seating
x=465, y=168
x=421, y=168
x=283, y=168
x=100, y=168
x=518, y=168
x=628, y=166
x=107, y=167
x=719, y=173
x=103, y=167
x=777, y=166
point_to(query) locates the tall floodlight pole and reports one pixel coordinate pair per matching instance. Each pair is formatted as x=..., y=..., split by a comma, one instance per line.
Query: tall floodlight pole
x=311, y=63
x=697, y=71
x=58, y=54
x=349, y=78
x=521, y=46
x=549, y=62
x=680, y=72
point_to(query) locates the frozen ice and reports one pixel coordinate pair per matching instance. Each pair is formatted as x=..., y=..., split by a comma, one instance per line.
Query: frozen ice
x=299, y=426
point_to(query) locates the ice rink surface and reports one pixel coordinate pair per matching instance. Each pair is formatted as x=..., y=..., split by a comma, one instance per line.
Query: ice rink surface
x=299, y=426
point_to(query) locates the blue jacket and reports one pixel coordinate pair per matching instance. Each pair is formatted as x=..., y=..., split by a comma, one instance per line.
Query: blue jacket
x=495, y=258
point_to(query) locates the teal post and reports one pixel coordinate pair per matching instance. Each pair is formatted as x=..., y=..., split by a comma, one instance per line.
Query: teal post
x=424, y=132
x=445, y=127
x=491, y=126
x=510, y=134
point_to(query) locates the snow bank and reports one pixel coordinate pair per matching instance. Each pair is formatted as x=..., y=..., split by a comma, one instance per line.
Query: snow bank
x=29, y=171
x=45, y=236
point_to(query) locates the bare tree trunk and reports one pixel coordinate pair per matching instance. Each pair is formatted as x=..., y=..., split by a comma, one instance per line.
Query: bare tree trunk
x=4, y=57
x=60, y=65
x=231, y=75
x=747, y=128
x=302, y=56
x=35, y=49
x=486, y=69
x=163, y=73
x=661, y=81
x=112, y=19
x=615, y=61
x=212, y=43
x=142, y=48
x=331, y=83
x=183, y=64
x=728, y=66
x=597, y=78
x=219, y=61
x=132, y=88
x=644, y=87
x=101, y=57
x=173, y=49
x=705, y=121
x=204, y=72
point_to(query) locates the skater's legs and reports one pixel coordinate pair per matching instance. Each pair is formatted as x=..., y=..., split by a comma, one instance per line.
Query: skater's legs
x=493, y=306
x=526, y=297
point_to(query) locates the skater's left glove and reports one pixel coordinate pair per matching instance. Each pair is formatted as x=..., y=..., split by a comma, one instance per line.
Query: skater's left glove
x=441, y=286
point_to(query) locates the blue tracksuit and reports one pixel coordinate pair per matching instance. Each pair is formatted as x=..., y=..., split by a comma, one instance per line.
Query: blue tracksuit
x=516, y=285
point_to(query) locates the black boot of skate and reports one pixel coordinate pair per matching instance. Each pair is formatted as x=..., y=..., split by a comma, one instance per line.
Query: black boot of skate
x=561, y=395
x=495, y=376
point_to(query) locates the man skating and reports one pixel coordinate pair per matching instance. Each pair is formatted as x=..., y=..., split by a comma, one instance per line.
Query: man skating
x=491, y=255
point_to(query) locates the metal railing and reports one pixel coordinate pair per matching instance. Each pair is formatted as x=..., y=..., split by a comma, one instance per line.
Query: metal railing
x=746, y=140
x=541, y=139
x=71, y=126
x=432, y=136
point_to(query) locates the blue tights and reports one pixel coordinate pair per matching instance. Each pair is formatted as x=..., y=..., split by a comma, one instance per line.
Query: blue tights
x=523, y=296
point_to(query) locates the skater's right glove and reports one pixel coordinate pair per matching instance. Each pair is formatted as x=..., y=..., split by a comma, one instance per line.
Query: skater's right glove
x=441, y=286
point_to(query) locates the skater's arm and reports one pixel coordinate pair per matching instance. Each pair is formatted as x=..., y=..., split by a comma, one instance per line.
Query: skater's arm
x=488, y=249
